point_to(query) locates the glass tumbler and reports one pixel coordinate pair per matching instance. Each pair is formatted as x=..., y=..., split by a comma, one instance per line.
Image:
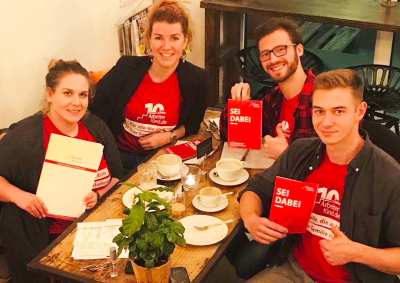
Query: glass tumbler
x=147, y=176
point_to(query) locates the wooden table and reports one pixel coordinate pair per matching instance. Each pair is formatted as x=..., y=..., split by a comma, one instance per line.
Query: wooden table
x=56, y=262
x=225, y=20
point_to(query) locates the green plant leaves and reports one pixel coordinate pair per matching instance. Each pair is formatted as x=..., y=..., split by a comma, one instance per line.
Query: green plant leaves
x=177, y=227
x=150, y=235
x=134, y=221
x=150, y=221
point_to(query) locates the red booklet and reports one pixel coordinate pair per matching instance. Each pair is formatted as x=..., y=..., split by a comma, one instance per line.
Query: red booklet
x=244, y=124
x=185, y=150
x=292, y=204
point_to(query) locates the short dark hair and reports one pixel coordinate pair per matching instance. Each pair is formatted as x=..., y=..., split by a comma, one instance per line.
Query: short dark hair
x=285, y=24
x=341, y=78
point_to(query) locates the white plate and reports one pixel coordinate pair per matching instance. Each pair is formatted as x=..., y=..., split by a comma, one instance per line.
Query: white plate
x=127, y=198
x=203, y=238
x=243, y=176
x=173, y=178
x=197, y=204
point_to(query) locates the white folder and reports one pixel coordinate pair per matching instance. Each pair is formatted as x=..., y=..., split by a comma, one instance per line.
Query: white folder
x=68, y=174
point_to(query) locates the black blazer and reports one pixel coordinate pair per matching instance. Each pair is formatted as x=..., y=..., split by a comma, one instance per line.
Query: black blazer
x=116, y=88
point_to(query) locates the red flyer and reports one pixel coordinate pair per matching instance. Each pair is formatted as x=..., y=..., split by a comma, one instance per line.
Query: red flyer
x=244, y=124
x=185, y=150
x=292, y=204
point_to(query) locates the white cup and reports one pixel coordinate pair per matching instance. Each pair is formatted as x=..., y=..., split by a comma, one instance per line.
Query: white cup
x=228, y=169
x=169, y=165
x=210, y=196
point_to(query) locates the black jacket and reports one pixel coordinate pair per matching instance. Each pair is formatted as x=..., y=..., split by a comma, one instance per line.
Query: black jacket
x=371, y=203
x=21, y=161
x=116, y=88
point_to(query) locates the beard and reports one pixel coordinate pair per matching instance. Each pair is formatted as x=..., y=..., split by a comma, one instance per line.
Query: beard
x=291, y=69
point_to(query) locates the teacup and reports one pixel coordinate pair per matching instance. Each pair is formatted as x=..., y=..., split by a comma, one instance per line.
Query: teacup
x=169, y=165
x=210, y=196
x=228, y=169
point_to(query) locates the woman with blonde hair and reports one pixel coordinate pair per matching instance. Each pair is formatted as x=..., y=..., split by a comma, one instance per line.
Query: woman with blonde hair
x=24, y=225
x=153, y=100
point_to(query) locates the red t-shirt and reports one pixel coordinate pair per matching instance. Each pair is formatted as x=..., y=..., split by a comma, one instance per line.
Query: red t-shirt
x=103, y=177
x=287, y=115
x=331, y=180
x=154, y=107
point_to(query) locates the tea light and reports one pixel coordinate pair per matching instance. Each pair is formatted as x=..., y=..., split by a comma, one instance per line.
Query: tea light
x=190, y=181
x=190, y=177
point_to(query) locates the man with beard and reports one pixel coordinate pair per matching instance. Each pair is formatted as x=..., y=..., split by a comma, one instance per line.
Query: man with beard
x=286, y=109
x=353, y=234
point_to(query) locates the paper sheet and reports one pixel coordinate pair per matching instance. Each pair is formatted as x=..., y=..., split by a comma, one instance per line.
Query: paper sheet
x=94, y=239
x=256, y=159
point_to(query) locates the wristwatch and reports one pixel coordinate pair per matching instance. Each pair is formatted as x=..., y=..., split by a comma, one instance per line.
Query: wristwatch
x=174, y=137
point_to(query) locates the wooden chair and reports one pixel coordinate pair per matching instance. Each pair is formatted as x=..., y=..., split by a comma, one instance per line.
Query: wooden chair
x=381, y=92
x=250, y=69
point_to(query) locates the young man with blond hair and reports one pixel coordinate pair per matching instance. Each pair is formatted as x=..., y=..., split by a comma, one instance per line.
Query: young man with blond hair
x=357, y=195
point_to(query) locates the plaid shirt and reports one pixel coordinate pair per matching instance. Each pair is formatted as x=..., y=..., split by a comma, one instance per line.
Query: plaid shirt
x=272, y=105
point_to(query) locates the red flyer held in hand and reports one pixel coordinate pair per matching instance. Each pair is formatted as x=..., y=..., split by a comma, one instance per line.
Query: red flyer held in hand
x=244, y=124
x=292, y=204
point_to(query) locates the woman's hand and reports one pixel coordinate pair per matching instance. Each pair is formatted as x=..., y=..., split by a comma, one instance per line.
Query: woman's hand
x=90, y=200
x=155, y=140
x=31, y=203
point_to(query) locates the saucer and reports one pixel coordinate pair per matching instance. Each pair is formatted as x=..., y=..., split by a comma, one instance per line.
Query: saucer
x=172, y=178
x=197, y=204
x=243, y=176
x=127, y=198
x=203, y=238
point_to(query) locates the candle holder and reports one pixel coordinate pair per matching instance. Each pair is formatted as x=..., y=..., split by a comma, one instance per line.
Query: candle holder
x=191, y=178
x=388, y=3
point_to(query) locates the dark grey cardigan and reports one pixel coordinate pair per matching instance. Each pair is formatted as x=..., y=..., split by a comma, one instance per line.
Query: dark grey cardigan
x=21, y=161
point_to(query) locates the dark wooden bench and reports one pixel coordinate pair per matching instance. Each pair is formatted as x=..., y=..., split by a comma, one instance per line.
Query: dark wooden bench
x=327, y=37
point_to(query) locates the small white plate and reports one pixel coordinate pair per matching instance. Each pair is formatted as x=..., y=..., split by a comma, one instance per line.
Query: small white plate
x=197, y=204
x=203, y=238
x=243, y=176
x=173, y=178
x=127, y=198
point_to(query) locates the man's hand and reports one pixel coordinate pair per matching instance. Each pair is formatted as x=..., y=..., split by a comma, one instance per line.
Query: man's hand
x=273, y=147
x=31, y=203
x=240, y=91
x=340, y=250
x=155, y=140
x=90, y=200
x=265, y=231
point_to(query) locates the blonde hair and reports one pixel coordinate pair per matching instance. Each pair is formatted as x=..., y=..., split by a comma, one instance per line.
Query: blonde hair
x=171, y=12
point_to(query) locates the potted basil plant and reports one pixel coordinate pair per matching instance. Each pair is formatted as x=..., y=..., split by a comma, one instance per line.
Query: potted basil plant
x=150, y=234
